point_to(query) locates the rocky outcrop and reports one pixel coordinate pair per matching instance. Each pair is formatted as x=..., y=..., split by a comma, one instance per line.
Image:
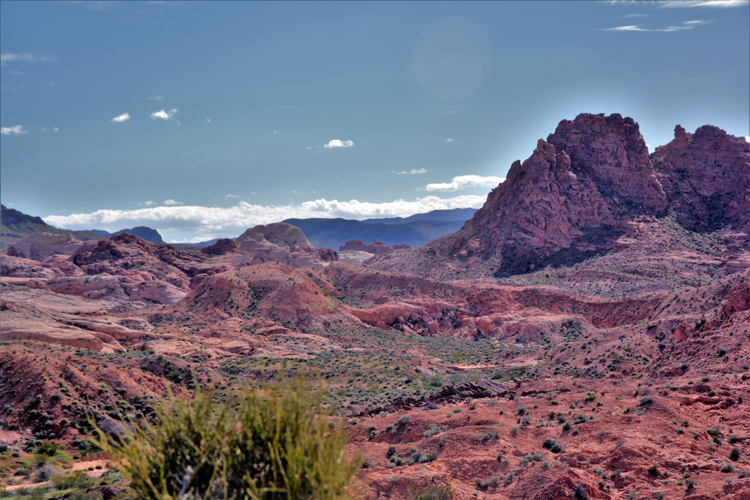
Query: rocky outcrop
x=283, y=243
x=277, y=235
x=706, y=176
x=571, y=199
x=39, y=246
x=129, y=255
x=588, y=190
x=375, y=248
x=221, y=247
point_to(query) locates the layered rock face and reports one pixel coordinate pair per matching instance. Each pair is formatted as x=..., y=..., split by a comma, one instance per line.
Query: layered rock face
x=706, y=176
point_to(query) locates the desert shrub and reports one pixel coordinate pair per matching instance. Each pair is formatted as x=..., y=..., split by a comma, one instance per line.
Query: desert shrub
x=43, y=473
x=430, y=492
x=726, y=468
x=734, y=455
x=77, y=480
x=49, y=449
x=86, y=495
x=403, y=420
x=270, y=444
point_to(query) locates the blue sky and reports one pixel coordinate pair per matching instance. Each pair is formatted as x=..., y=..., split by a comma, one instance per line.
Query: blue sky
x=201, y=119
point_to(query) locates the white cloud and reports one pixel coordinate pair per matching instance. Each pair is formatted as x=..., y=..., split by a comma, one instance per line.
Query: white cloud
x=163, y=115
x=9, y=57
x=18, y=129
x=53, y=129
x=155, y=98
x=230, y=195
x=704, y=3
x=637, y=15
x=450, y=139
x=464, y=181
x=122, y=118
x=208, y=120
x=171, y=202
x=414, y=171
x=686, y=25
x=149, y=203
x=335, y=143
x=216, y=221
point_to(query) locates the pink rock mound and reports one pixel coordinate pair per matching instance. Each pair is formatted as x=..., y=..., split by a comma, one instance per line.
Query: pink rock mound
x=221, y=247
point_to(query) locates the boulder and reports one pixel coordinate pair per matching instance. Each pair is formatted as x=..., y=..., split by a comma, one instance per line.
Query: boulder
x=278, y=235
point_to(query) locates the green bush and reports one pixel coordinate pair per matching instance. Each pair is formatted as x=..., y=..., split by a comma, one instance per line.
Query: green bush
x=269, y=444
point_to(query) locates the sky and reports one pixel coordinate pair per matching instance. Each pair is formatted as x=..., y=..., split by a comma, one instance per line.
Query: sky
x=202, y=119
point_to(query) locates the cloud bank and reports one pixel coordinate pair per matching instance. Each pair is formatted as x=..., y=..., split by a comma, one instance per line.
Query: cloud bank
x=335, y=143
x=9, y=57
x=413, y=171
x=465, y=181
x=722, y=4
x=122, y=118
x=211, y=222
x=687, y=25
x=18, y=129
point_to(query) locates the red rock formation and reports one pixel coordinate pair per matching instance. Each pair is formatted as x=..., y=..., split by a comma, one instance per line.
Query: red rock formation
x=706, y=176
x=375, y=248
x=221, y=247
x=587, y=190
x=572, y=198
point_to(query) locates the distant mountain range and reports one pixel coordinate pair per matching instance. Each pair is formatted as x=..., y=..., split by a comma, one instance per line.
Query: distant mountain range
x=415, y=230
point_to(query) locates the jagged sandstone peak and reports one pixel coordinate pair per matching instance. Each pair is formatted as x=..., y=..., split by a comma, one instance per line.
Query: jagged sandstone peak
x=276, y=235
x=706, y=176
x=570, y=199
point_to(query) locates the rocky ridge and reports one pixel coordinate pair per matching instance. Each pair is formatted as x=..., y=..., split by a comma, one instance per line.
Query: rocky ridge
x=584, y=192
